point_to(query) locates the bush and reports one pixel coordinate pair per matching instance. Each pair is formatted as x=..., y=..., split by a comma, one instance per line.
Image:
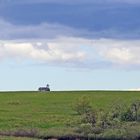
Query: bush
x=112, y=124
x=135, y=108
x=85, y=128
x=132, y=113
x=82, y=105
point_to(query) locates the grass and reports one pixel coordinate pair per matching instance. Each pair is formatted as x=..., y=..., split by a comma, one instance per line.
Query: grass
x=16, y=138
x=43, y=111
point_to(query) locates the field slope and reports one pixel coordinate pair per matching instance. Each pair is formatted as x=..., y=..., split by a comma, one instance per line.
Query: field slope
x=43, y=111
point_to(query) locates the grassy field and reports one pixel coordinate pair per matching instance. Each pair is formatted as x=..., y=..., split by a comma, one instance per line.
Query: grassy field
x=43, y=111
x=15, y=138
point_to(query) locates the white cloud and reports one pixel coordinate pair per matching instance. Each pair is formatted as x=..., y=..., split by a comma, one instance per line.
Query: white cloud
x=78, y=52
x=120, y=55
x=121, y=52
x=134, y=89
x=39, y=51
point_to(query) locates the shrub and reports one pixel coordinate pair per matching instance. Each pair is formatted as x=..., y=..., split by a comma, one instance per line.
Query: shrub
x=90, y=117
x=132, y=113
x=111, y=124
x=85, y=128
x=135, y=108
x=82, y=105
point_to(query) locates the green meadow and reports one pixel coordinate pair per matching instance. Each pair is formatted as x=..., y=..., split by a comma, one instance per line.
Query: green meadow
x=52, y=110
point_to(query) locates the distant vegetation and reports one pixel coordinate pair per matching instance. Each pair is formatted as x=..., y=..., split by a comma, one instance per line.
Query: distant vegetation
x=121, y=121
x=84, y=114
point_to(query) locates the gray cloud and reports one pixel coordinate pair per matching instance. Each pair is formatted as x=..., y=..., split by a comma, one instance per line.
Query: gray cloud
x=41, y=31
x=109, y=21
x=49, y=31
x=70, y=2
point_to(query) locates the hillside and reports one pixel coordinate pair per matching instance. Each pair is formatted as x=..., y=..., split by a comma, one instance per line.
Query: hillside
x=52, y=110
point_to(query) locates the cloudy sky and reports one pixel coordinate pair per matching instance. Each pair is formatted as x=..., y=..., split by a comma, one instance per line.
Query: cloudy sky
x=72, y=45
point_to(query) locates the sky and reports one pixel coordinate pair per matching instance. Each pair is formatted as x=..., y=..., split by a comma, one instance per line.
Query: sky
x=71, y=45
